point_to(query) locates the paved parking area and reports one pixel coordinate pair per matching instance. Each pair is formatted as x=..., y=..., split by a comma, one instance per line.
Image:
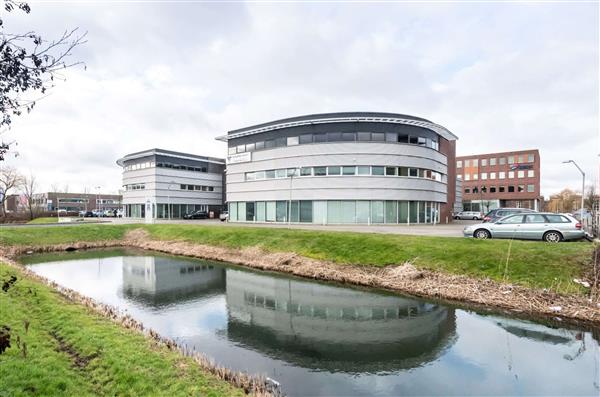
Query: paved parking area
x=441, y=230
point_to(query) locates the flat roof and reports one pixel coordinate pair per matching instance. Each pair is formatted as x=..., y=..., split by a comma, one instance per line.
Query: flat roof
x=507, y=153
x=170, y=153
x=341, y=117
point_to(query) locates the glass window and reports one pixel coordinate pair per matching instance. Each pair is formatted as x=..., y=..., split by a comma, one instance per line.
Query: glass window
x=271, y=211
x=377, y=170
x=364, y=170
x=391, y=171
x=530, y=173
x=412, y=212
x=306, y=138
x=270, y=174
x=511, y=174
x=320, y=212
x=242, y=211
x=334, y=211
x=475, y=162
x=348, y=137
x=492, y=189
x=403, y=171
x=521, y=158
x=292, y=172
x=320, y=171
x=530, y=158
x=231, y=150
x=306, y=171
x=414, y=172
x=259, y=175
x=421, y=173
x=521, y=188
x=484, y=176
x=377, y=212
x=334, y=170
x=530, y=188
x=319, y=138
x=250, y=211
x=270, y=144
x=413, y=140
x=233, y=212
x=348, y=211
x=293, y=140
x=363, y=209
x=378, y=136
x=306, y=211
x=475, y=177
x=280, y=173
x=511, y=159
x=250, y=147
x=484, y=162
x=492, y=161
x=502, y=160
x=260, y=211
x=475, y=189
x=467, y=190
x=467, y=177
x=467, y=163
x=259, y=145
x=280, y=142
x=294, y=211
x=520, y=174
x=391, y=137
x=334, y=136
x=501, y=189
x=402, y=138
x=511, y=189
x=250, y=176
x=422, y=141
x=348, y=170
x=363, y=136
x=513, y=219
x=391, y=212
x=281, y=211
x=492, y=175
x=241, y=148
x=459, y=164
x=557, y=219
x=501, y=175
x=403, y=212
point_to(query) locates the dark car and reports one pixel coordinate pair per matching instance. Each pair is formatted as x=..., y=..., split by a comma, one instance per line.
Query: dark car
x=498, y=213
x=89, y=214
x=196, y=215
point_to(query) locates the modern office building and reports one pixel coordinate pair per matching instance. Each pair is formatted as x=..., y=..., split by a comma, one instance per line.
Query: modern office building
x=336, y=168
x=171, y=184
x=496, y=180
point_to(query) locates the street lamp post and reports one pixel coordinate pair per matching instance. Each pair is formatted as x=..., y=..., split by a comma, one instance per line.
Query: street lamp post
x=290, y=205
x=582, y=185
x=97, y=197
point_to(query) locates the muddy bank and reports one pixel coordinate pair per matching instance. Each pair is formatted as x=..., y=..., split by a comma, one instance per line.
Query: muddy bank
x=405, y=278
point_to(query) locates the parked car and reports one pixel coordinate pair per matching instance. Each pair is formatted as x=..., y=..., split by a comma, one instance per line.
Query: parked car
x=546, y=226
x=120, y=213
x=89, y=214
x=474, y=215
x=224, y=216
x=196, y=215
x=498, y=213
x=82, y=213
x=98, y=213
x=109, y=213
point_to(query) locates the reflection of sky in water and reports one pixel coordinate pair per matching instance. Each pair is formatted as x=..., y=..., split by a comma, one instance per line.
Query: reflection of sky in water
x=306, y=341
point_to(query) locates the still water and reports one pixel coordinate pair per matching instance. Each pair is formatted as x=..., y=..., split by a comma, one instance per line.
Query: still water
x=320, y=339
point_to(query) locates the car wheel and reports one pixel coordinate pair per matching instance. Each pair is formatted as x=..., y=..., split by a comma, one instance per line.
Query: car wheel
x=474, y=218
x=553, y=237
x=482, y=234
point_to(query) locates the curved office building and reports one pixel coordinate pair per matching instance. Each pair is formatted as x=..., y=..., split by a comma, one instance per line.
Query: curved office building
x=340, y=168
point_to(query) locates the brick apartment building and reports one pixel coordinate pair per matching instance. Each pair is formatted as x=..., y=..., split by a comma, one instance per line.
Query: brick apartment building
x=496, y=180
x=51, y=201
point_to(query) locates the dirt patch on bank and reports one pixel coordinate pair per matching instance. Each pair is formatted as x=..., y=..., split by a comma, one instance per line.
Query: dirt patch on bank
x=404, y=278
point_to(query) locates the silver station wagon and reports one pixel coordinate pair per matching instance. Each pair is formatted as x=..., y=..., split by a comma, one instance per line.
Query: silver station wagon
x=549, y=227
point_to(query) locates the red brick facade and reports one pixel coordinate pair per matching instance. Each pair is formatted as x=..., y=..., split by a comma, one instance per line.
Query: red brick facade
x=510, y=179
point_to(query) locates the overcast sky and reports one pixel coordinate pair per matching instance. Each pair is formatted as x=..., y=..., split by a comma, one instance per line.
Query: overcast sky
x=176, y=75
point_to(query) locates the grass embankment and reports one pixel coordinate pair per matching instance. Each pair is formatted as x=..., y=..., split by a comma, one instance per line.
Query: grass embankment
x=532, y=264
x=67, y=350
x=43, y=220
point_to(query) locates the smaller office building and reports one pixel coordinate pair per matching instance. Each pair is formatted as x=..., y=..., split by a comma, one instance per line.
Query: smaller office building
x=52, y=201
x=497, y=180
x=171, y=184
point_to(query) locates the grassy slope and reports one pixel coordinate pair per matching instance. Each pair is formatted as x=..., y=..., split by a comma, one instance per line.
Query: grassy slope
x=534, y=264
x=127, y=364
x=43, y=221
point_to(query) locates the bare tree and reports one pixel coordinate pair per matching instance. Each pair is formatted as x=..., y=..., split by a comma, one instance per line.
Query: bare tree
x=29, y=190
x=54, y=188
x=10, y=180
x=30, y=64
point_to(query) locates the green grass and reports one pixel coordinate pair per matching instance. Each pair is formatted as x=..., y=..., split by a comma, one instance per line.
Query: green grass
x=43, y=220
x=120, y=362
x=532, y=264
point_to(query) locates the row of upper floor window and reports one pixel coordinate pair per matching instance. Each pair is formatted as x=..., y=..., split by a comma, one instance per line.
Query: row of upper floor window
x=500, y=175
x=500, y=189
x=151, y=164
x=389, y=137
x=349, y=170
x=492, y=161
x=135, y=186
x=197, y=188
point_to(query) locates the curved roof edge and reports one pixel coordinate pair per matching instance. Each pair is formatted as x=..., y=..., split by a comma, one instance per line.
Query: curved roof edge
x=150, y=152
x=339, y=118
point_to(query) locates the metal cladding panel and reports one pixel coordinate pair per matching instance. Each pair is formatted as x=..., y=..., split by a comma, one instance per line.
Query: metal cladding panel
x=338, y=194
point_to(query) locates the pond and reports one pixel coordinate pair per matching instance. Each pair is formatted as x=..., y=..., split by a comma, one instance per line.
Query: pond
x=324, y=339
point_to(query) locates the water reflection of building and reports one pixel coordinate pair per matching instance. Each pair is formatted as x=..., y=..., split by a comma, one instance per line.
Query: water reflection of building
x=331, y=328
x=159, y=281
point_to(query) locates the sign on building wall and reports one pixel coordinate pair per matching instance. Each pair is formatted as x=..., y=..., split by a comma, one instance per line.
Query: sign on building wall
x=239, y=158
